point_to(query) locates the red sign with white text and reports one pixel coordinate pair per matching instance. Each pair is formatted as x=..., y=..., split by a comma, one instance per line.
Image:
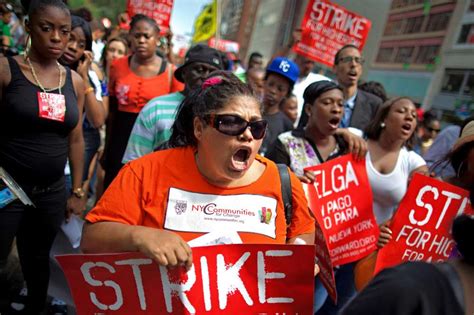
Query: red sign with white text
x=327, y=27
x=422, y=224
x=159, y=10
x=341, y=200
x=224, y=45
x=224, y=279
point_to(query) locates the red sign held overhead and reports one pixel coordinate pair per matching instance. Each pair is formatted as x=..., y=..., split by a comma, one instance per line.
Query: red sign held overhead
x=341, y=200
x=159, y=10
x=422, y=224
x=326, y=28
x=224, y=279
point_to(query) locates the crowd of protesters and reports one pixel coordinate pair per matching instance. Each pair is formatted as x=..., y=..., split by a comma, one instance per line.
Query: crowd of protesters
x=83, y=110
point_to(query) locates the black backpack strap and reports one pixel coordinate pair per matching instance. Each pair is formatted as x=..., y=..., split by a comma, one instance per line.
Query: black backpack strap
x=286, y=192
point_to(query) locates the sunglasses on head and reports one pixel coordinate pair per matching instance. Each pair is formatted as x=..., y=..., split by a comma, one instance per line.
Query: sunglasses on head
x=233, y=125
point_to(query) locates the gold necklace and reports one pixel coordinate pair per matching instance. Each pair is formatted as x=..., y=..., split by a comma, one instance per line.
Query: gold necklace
x=33, y=72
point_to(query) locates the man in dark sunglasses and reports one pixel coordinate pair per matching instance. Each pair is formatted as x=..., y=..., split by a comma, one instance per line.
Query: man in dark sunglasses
x=359, y=106
x=153, y=124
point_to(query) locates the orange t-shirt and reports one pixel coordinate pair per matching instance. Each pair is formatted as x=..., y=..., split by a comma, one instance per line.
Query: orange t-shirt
x=165, y=190
x=133, y=92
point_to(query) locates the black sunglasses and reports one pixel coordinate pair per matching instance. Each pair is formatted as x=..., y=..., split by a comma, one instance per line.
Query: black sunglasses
x=233, y=125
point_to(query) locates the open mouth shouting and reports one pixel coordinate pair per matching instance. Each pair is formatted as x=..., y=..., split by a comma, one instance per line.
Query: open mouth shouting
x=407, y=128
x=352, y=74
x=334, y=123
x=240, y=159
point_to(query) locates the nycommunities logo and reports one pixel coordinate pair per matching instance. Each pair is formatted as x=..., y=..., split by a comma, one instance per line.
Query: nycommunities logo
x=213, y=209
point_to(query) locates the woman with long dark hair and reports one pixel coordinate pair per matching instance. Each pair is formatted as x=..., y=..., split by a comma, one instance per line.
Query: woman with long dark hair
x=78, y=56
x=40, y=126
x=389, y=163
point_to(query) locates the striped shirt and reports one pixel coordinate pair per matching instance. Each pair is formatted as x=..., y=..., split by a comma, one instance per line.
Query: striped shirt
x=153, y=126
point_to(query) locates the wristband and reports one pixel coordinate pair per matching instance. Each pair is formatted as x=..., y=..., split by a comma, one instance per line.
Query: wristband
x=88, y=90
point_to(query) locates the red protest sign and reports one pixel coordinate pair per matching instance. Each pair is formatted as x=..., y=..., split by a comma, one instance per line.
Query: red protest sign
x=224, y=279
x=159, y=10
x=326, y=27
x=341, y=200
x=224, y=45
x=421, y=225
x=326, y=273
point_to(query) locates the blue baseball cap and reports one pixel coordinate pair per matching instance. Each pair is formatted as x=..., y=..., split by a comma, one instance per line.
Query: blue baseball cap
x=285, y=67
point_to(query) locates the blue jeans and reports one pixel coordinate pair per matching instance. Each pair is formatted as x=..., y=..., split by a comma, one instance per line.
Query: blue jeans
x=323, y=305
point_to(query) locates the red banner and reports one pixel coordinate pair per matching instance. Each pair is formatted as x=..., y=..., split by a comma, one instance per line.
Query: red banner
x=326, y=273
x=224, y=279
x=159, y=10
x=422, y=224
x=341, y=200
x=224, y=45
x=326, y=27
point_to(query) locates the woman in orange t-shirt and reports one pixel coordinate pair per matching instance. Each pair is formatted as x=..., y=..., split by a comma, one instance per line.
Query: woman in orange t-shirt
x=210, y=180
x=134, y=80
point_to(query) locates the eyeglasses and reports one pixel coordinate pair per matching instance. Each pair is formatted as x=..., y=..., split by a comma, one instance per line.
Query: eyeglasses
x=233, y=125
x=349, y=59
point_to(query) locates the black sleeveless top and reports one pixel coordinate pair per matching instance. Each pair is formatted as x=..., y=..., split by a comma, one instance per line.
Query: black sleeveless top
x=32, y=149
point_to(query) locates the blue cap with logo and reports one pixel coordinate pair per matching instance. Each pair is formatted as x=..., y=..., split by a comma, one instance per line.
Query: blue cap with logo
x=285, y=67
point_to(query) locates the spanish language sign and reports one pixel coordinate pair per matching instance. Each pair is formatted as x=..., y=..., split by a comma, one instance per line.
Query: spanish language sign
x=421, y=226
x=326, y=27
x=159, y=10
x=224, y=279
x=341, y=200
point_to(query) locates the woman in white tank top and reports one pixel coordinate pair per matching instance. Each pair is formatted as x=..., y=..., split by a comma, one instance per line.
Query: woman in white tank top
x=389, y=164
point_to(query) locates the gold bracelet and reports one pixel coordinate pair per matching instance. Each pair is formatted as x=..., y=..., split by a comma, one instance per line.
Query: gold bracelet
x=88, y=90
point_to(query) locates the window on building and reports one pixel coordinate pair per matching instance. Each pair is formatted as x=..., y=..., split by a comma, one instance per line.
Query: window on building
x=452, y=81
x=413, y=24
x=471, y=6
x=438, y=22
x=398, y=3
x=404, y=55
x=467, y=34
x=393, y=27
x=402, y=3
x=385, y=54
x=468, y=89
x=427, y=54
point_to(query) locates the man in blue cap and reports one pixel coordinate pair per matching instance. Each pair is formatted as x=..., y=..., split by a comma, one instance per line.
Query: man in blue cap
x=280, y=78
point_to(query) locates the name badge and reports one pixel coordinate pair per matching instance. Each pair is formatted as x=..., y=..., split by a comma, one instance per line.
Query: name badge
x=52, y=106
x=194, y=212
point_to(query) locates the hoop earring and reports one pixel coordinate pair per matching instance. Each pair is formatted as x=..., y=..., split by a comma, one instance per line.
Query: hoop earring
x=28, y=46
x=458, y=172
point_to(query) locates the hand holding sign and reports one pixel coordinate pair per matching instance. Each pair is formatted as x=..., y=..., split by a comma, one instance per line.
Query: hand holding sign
x=165, y=247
